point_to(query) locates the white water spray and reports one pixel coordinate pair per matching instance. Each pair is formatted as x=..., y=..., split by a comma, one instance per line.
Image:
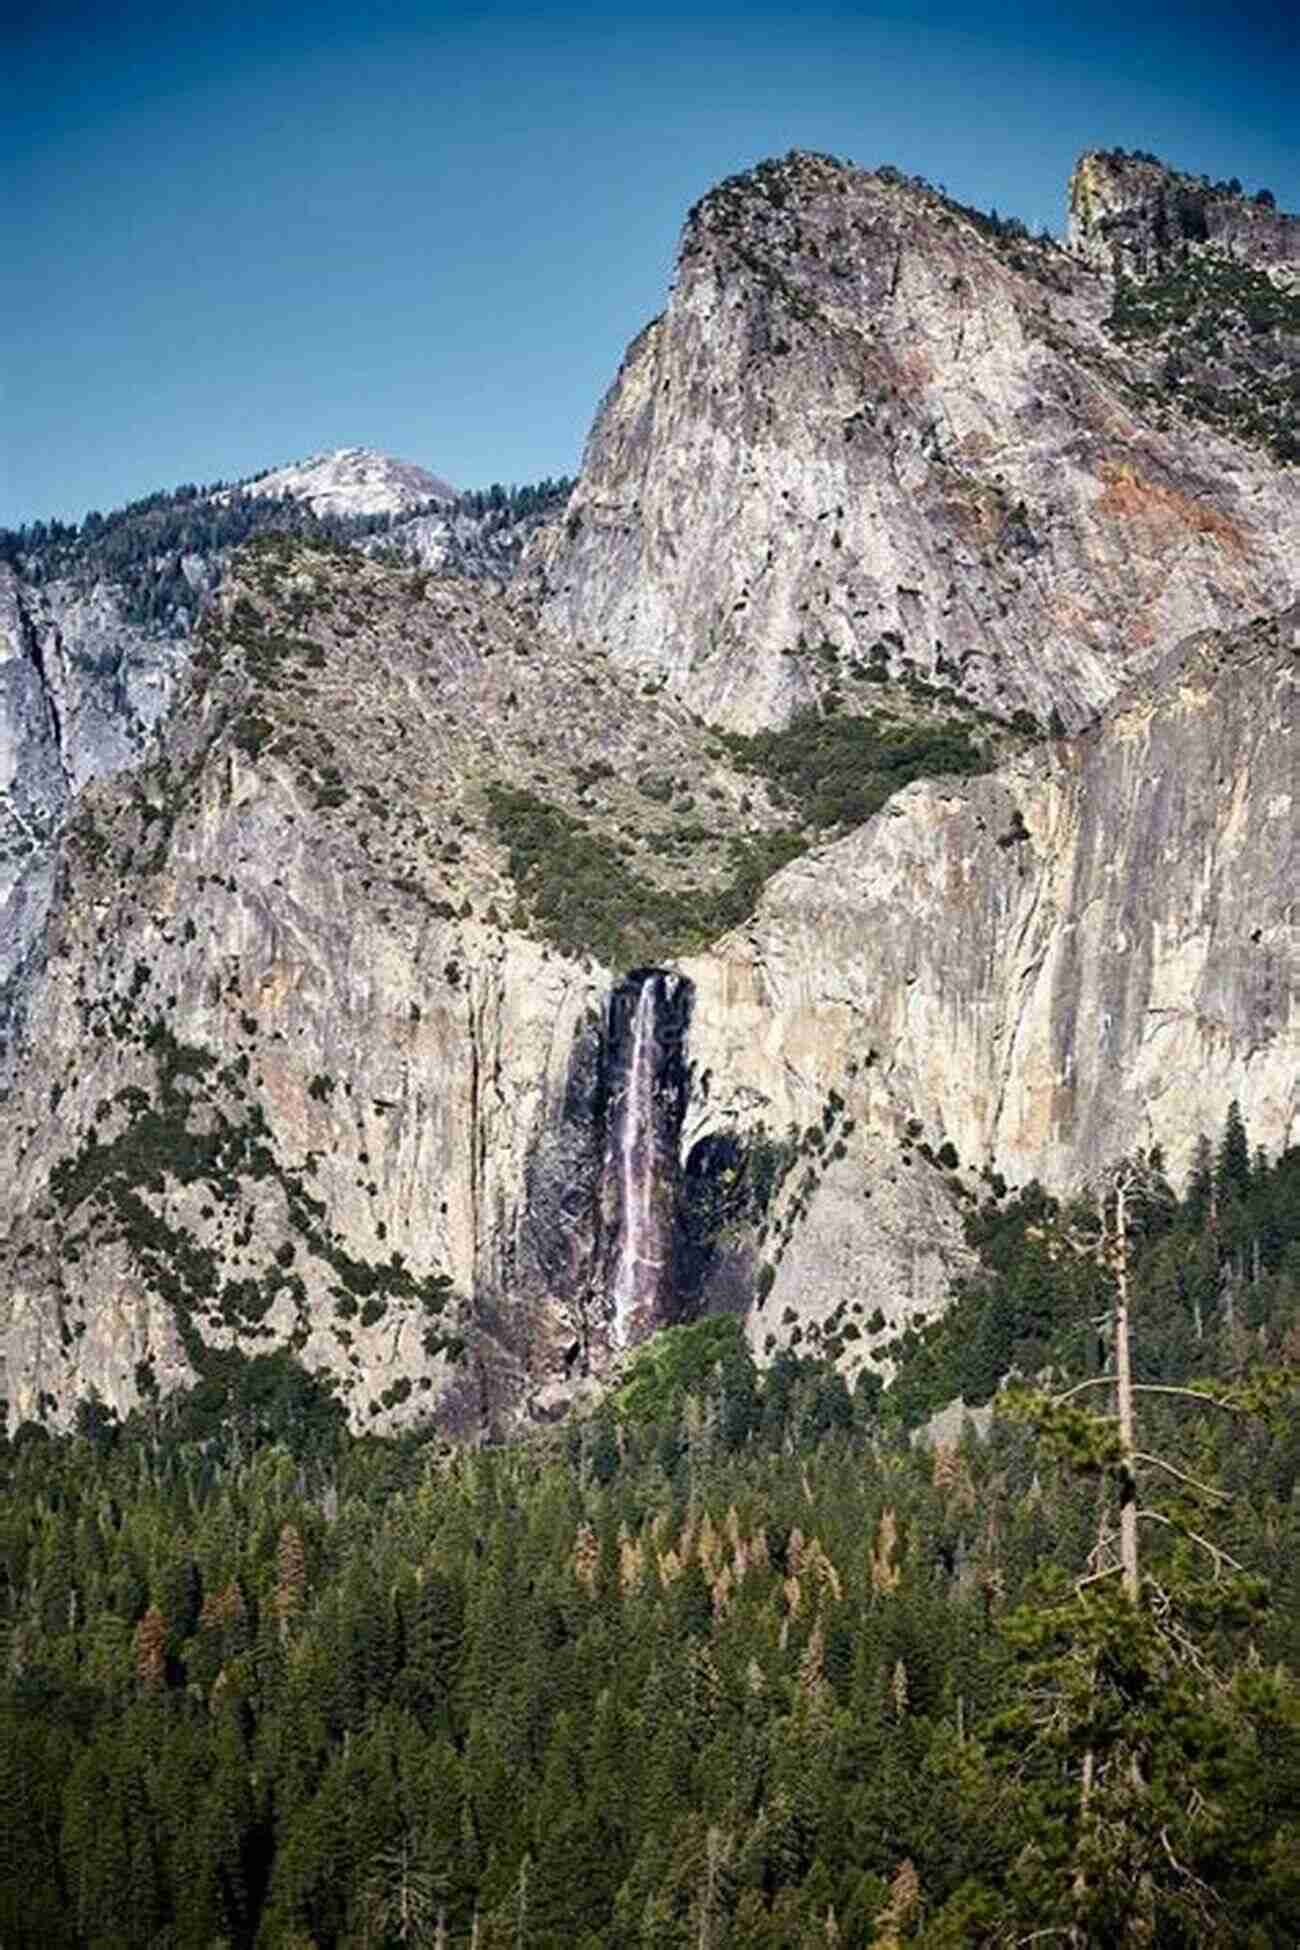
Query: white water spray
x=639, y=1267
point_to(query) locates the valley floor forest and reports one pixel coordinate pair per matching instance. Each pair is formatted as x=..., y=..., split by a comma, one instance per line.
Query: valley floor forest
x=734, y=1662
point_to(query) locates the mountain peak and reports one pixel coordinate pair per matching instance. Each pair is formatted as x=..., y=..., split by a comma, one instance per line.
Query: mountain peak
x=355, y=481
x=880, y=431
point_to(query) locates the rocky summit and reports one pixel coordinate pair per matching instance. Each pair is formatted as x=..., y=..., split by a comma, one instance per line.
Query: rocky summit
x=449, y=938
x=355, y=481
x=874, y=430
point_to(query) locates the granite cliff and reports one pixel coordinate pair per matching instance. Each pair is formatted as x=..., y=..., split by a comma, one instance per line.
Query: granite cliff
x=874, y=429
x=302, y=1081
x=880, y=783
x=82, y=688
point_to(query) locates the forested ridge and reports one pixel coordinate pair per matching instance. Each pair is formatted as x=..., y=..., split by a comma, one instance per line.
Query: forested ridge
x=733, y=1661
x=147, y=546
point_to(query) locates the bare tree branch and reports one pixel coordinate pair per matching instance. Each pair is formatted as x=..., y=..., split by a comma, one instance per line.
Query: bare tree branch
x=1211, y=1900
x=1094, y=1381
x=1093, y=1576
x=1146, y=1388
x=1192, y=1395
x=1158, y=1462
x=1220, y=1556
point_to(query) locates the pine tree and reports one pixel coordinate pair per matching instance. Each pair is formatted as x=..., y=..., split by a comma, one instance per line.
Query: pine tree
x=35, y=1761
x=400, y=1897
x=1129, y=1705
x=1232, y=1162
x=1199, y=1201
x=900, y=1910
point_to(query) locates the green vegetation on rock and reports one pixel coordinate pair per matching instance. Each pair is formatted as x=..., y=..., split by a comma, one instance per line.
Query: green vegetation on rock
x=580, y=892
x=199, y=1127
x=1230, y=339
x=838, y=770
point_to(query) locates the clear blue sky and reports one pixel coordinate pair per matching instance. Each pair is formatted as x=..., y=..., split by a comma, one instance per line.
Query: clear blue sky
x=231, y=236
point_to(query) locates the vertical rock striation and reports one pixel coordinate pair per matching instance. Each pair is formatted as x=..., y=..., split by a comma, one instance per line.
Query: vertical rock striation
x=1092, y=949
x=81, y=693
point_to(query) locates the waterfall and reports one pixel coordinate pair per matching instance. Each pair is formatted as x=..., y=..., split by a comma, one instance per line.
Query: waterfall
x=639, y=1267
x=646, y=1097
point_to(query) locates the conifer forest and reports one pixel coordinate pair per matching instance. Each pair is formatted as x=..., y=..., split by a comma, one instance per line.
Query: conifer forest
x=736, y=1660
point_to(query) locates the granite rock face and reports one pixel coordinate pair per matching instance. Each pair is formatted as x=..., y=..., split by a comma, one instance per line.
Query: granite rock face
x=286, y=1083
x=870, y=428
x=90, y=659
x=291, y=1077
x=1091, y=949
x=1130, y=215
x=1205, y=293
x=81, y=693
x=297, y=1092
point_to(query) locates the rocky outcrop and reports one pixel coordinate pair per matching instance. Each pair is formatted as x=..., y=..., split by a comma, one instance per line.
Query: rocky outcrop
x=873, y=432
x=300, y=1083
x=1205, y=293
x=1026, y=975
x=288, y=1089
x=81, y=691
x=299, y=1089
x=1131, y=215
x=95, y=632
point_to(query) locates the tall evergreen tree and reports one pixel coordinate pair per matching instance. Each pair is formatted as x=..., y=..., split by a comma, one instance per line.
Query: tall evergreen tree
x=1232, y=1175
